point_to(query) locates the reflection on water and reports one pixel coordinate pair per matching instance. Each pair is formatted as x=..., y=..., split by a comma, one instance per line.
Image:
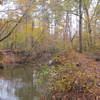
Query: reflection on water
x=21, y=84
x=7, y=90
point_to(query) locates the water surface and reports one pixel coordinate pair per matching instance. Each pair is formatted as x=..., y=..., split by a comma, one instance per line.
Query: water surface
x=22, y=84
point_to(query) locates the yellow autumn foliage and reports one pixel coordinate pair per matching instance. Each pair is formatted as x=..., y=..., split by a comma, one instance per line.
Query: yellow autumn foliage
x=21, y=1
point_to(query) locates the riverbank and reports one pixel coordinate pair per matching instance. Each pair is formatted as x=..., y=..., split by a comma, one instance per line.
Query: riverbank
x=15, y=58
x=69, y=75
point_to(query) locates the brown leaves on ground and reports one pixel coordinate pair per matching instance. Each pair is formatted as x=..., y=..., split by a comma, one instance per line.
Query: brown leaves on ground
x=83, y=72
x=81, y=60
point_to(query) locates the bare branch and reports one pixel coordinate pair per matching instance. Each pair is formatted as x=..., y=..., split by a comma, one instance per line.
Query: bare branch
x=9, y=33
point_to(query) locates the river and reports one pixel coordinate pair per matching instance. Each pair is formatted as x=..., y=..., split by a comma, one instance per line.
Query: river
x=24, y=83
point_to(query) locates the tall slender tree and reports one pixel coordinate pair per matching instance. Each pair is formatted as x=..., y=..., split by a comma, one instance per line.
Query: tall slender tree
x=80, y=27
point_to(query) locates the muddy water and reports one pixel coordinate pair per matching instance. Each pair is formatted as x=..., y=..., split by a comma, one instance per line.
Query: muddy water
x=22, y=84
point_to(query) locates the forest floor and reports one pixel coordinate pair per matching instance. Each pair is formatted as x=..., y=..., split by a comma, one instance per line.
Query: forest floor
x=81, y=81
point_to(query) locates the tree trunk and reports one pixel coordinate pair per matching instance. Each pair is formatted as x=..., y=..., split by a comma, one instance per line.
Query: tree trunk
x=89, y=27
x=80, y=27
